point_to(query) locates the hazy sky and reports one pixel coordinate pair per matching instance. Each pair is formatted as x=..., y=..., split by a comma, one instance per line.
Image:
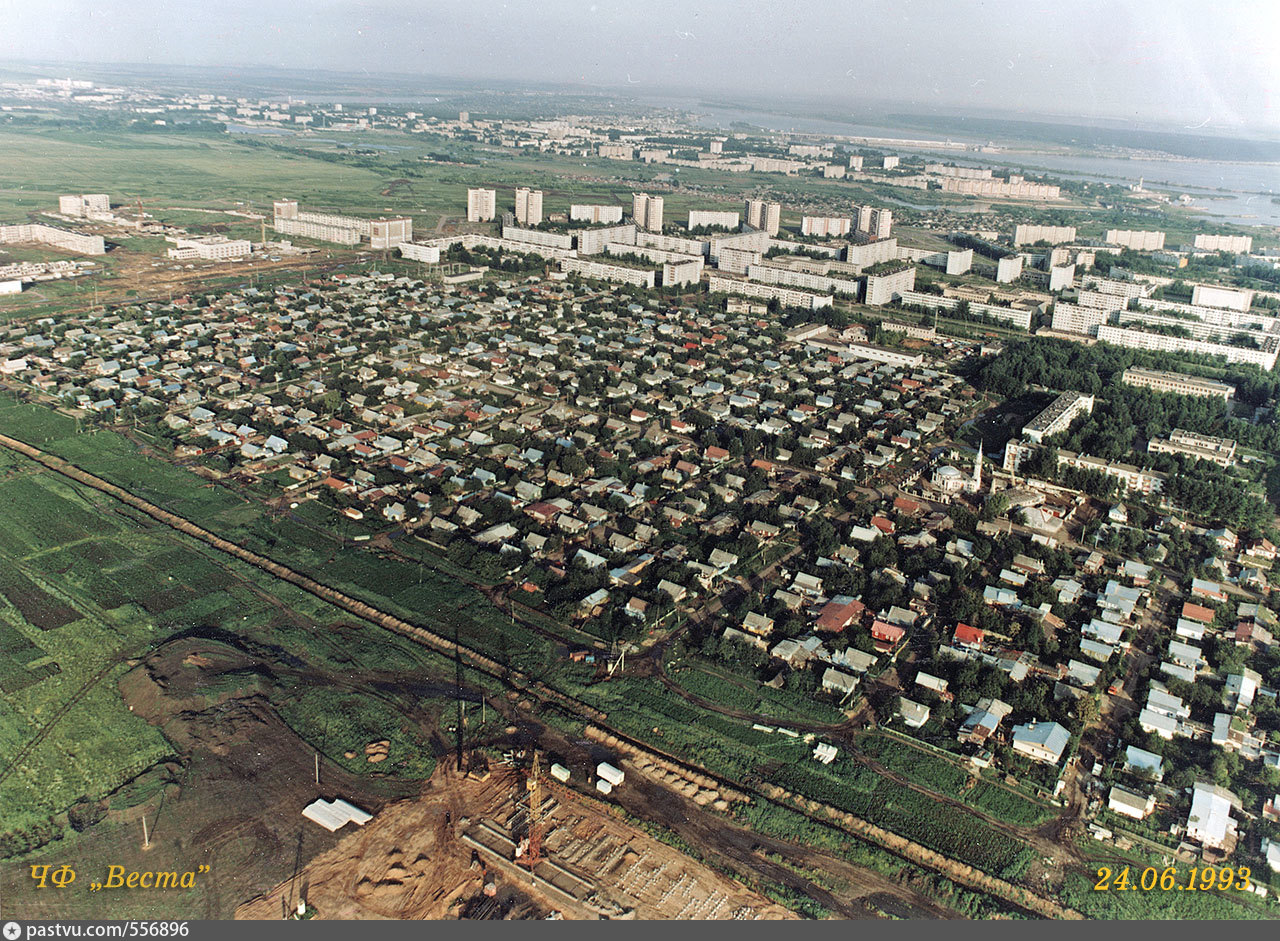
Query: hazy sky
x=1190, y=61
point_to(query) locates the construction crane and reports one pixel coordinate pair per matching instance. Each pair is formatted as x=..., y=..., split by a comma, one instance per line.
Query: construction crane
x=533, y=784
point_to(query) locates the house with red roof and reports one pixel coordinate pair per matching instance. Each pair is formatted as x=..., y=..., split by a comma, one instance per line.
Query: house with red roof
x=1197, y=612
x=886, y=635
x=835, y=617
x=968, y=636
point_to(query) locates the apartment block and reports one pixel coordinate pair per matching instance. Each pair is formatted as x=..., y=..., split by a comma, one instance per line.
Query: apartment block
x=872, y=223
x=646, y=211
x=825, y=226
x=1224, y=243
x=596, y=214
x=699, y=218
x=84, y=204
x=886, y=287
x=51, y=235
x=620, y=274
x=788, y=297
x=528, y=206
x=1058, y=416
x=388, y=233
x=1053, y=234
x=1139, y=241
x=1164, y=381
x=482, y=205
x=762, y=215
x=1220, y=451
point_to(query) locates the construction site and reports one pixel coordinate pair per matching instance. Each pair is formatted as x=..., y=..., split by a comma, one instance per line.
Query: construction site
x=506, y=843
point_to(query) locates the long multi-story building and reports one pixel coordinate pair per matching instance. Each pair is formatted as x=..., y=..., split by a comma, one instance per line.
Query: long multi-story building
x=738, y=260
x=1224, y=243
x=661, y=256
x=872, y=253
x=1131, y=478
x=1178, y=383
x=762, y=215
x=1014, y=316
x=528, y=206
x=579, y=212
x=617, y=151
x=1141, y=340
x=1058, y=416
x=1220, y=451
x=1101, y=301
x=1209, y=295
x=1053, y=234
x=803, y=279
x=538, y=238
x=1145, y=241
x=788, y=297
x=84, y=205
x=319, y=231
x=1013, y=188
x=872, y=223
x=646, y=210
x=961, y=173
x=673, y=243
x=51, y=235
x=713, y=218
x=621, y=274
x=825, y=226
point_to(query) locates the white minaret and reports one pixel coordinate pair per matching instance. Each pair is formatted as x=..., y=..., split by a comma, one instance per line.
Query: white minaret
x=977, y=470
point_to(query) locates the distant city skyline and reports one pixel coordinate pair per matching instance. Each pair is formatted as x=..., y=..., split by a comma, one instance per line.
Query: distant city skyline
x=1206, y=68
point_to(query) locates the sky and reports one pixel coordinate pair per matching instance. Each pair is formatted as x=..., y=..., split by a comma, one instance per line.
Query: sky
x=1211, y=64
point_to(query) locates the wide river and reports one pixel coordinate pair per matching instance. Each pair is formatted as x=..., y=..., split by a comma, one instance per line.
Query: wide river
x=1241, y=192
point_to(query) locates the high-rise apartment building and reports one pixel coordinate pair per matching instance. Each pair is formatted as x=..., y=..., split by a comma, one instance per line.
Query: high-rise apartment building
x=528, y=206
x=482, y=205
x=762, y=215
x=647, y=211
x=872, y=223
